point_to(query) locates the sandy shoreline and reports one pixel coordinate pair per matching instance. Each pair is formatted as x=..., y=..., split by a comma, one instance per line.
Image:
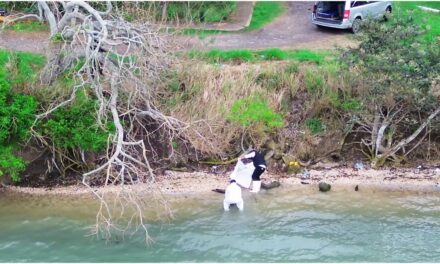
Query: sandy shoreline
x=183, y=183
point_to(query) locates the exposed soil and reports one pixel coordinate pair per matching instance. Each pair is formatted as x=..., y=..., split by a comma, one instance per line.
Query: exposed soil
x=35, y=42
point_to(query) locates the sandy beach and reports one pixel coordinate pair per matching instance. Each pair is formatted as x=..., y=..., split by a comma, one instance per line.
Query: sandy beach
x=342, y=178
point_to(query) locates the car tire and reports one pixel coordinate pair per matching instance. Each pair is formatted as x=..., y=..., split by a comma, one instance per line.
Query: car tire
x=356, y=24
x=387, y=14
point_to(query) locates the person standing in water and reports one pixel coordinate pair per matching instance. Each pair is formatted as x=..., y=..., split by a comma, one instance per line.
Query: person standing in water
x=260, y=167
x=233, y=196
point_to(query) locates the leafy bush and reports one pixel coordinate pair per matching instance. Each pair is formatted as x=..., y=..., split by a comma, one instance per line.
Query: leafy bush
x=314, y=125
x=17, y=113
x=251, y=111
x=395, y=78
x=11, y=164
x=75, y=127
x=351, y=105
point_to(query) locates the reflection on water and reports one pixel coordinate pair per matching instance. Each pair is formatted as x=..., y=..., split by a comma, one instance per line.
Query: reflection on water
x=293, y=225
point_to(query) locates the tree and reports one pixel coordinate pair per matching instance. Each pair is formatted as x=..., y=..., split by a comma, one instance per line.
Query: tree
x=397, y=81
x=120, y=63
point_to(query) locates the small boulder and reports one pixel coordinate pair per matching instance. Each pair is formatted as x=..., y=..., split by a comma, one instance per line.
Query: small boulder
x=272, y=184
x=324, y=187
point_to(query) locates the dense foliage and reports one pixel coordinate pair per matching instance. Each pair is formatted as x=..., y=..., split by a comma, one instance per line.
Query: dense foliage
x=396, y=78
x=17, y=111
x=68, y=130
x=75, y=128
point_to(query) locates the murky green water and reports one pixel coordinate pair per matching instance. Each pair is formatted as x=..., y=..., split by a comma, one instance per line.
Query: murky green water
x=286, y=225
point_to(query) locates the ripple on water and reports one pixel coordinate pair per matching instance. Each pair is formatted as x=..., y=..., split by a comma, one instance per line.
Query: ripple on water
x=7, y=245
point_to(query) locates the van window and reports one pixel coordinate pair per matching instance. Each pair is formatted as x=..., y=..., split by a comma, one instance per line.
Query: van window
x=358, y=3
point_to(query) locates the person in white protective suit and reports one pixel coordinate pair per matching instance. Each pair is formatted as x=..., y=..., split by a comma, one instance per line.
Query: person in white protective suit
x=233, y=196
x=260, y=167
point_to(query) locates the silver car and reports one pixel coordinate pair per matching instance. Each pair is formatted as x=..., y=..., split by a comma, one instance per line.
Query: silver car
x=348, y=14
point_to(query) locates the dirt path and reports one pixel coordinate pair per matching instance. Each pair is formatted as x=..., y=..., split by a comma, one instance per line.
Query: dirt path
x=35, y=42
x=292, y=30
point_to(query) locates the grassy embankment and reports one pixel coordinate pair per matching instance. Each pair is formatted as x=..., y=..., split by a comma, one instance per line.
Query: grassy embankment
x=307, y=89
x=263, y=14
x=315, y=80
x=242, y=90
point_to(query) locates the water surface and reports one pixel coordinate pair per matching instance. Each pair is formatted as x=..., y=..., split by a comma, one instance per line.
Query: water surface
x=284, y=225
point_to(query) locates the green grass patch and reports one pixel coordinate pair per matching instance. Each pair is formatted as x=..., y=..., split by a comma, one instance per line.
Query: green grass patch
x=264, y=13
x=255, y=111
x=244, y=55
x=20, y=68
x=428, y=20
x=28, y=26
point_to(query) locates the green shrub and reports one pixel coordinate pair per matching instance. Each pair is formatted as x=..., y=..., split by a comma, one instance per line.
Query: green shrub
x=351, y=105
x=314, y=125
x=17, y=113
x=253, y=111
x=11, y=164
x=75, y=127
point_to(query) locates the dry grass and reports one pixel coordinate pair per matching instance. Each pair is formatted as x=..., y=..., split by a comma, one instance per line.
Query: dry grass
x=203, y=94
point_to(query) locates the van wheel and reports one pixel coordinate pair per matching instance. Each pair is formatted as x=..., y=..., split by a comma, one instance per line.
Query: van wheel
x=387, y=13
x=356, y=25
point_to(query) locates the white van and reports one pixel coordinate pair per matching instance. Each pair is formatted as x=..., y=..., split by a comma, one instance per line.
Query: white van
x=348, y=14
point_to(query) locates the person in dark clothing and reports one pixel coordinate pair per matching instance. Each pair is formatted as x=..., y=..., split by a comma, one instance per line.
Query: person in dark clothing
x=260, y=167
